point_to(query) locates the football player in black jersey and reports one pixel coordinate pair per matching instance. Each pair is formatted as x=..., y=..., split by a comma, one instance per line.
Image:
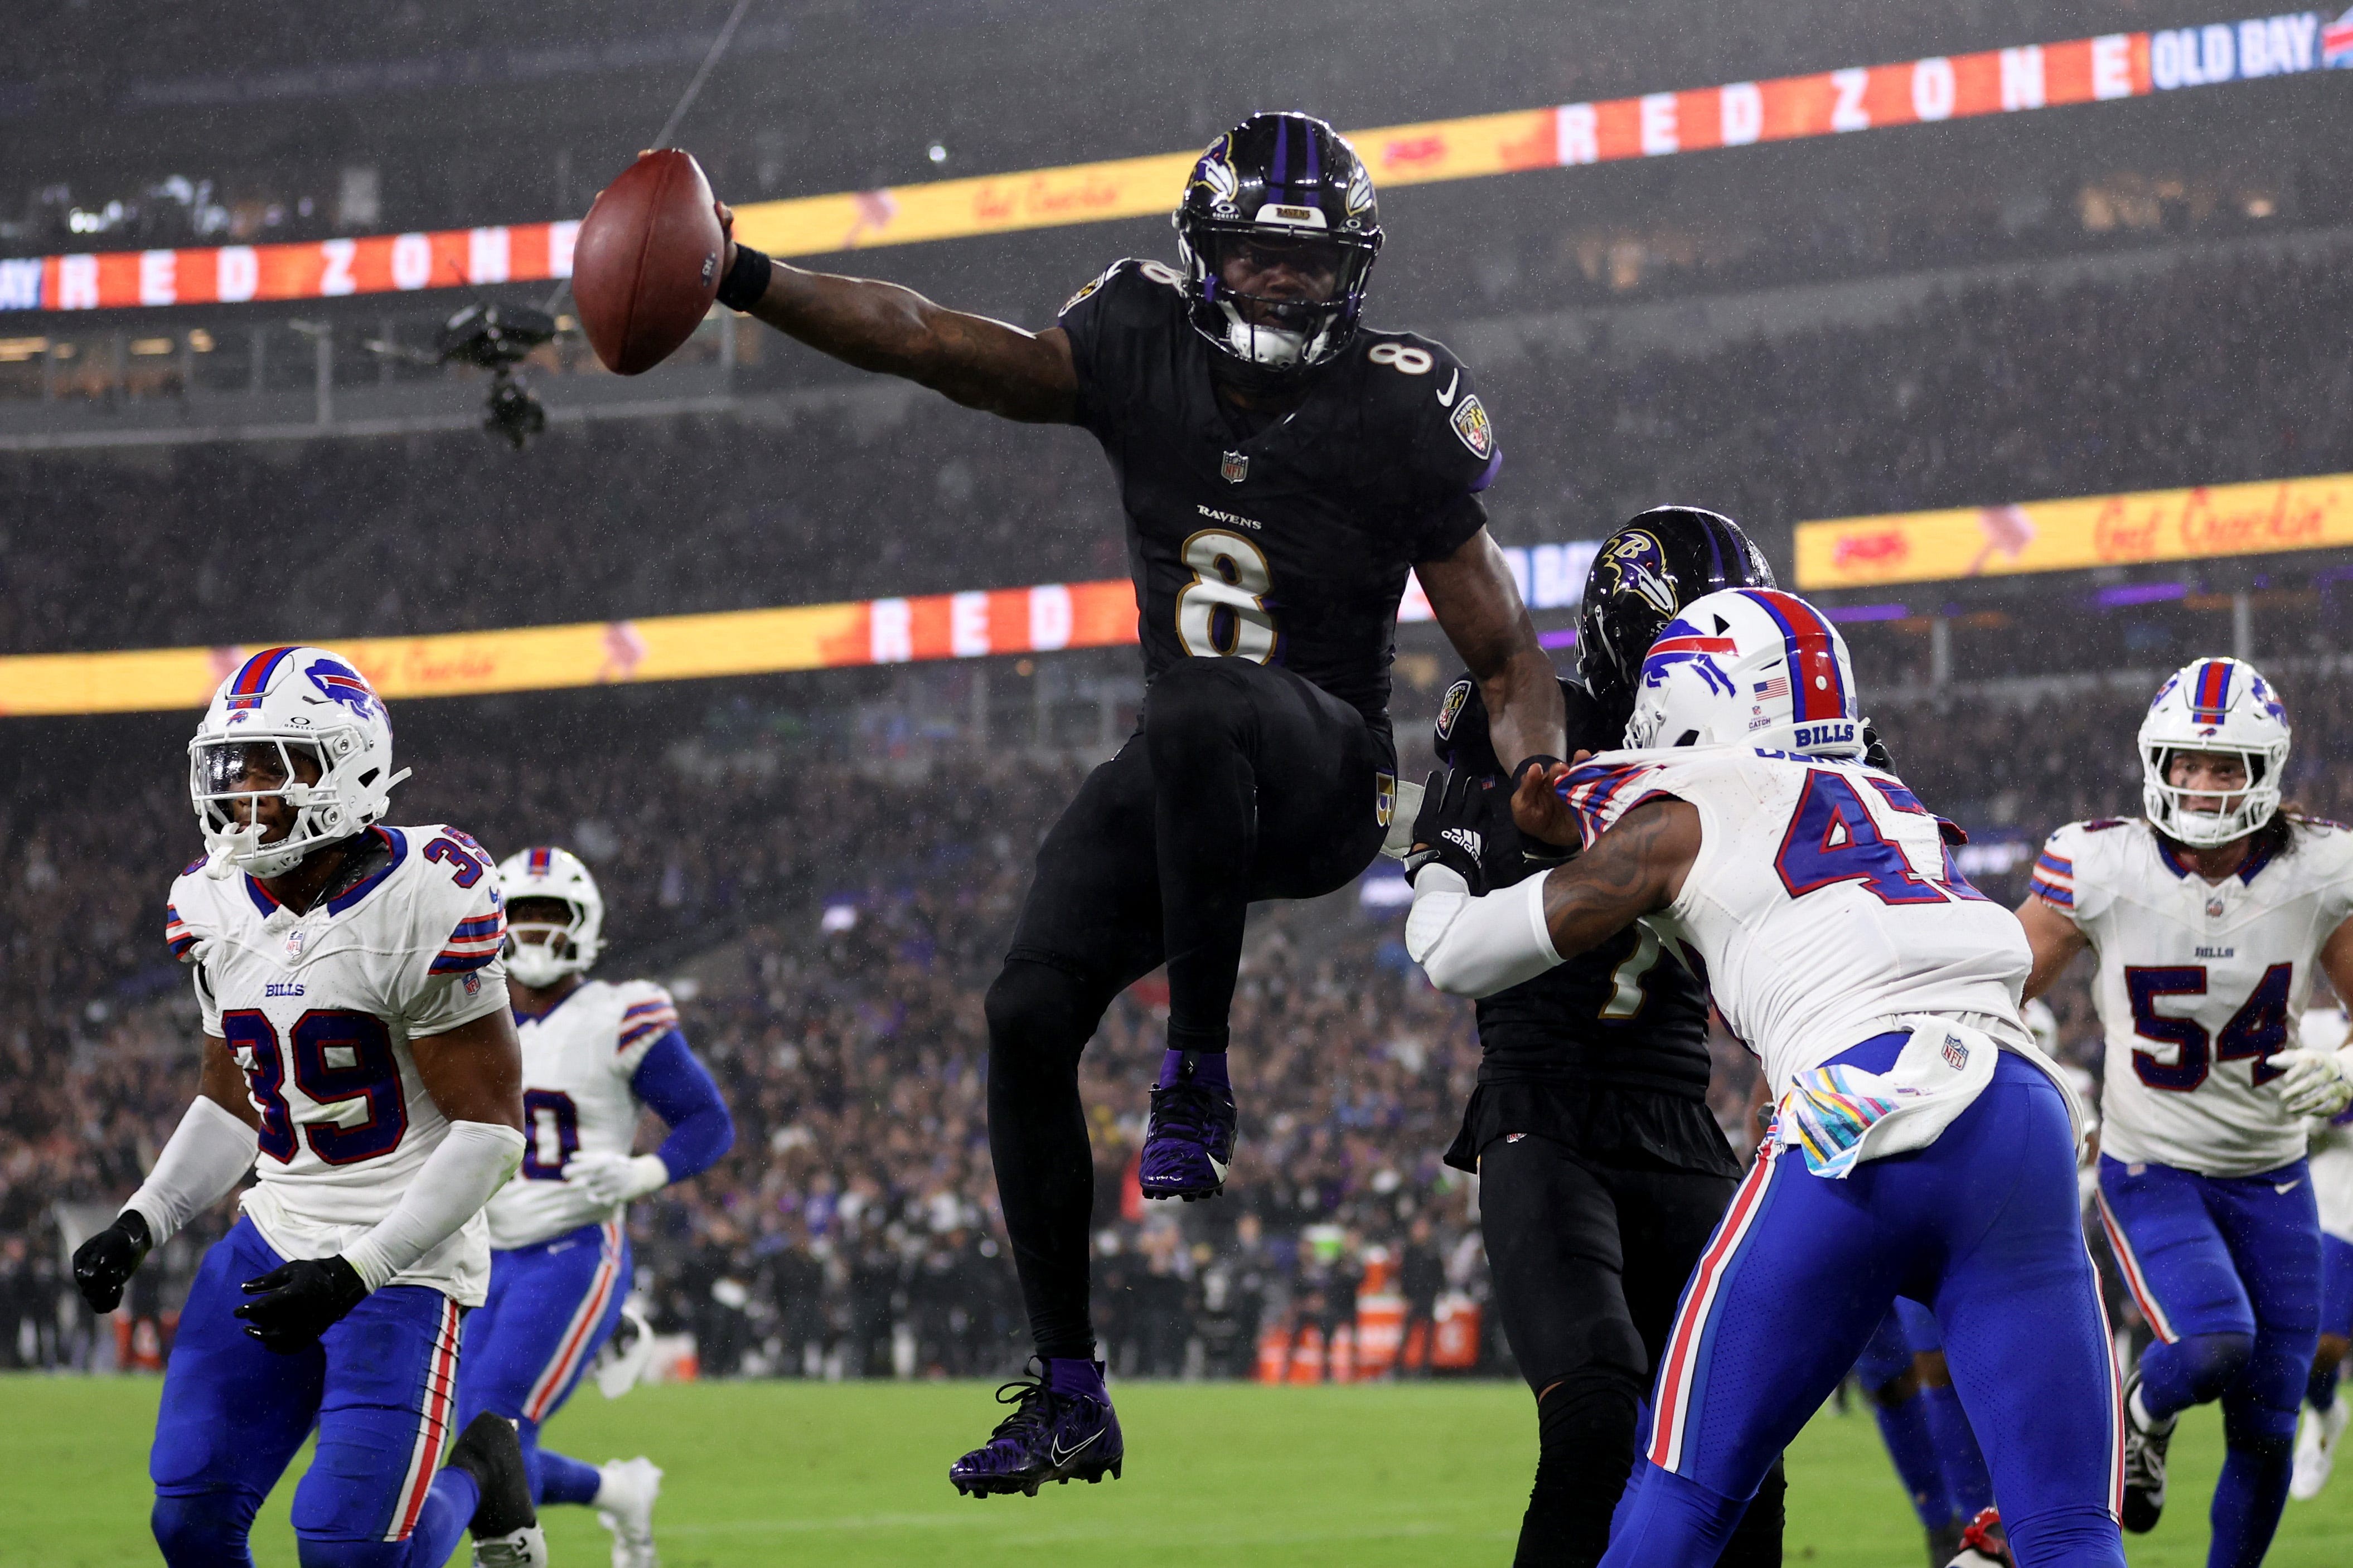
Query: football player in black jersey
x=1603, y=1171
x=1283, y=467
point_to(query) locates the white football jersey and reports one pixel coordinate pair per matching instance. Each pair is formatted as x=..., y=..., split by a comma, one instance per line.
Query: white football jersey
x=1822, y=905
x=318, y=1010
x=2199, y=982
x=577, y=1059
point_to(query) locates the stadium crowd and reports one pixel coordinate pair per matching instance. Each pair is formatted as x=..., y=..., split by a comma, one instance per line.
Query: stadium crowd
x=2206, y=373
x=832, y=929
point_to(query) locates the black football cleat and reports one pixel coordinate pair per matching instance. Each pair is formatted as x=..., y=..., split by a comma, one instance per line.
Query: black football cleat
x=1061, y=1429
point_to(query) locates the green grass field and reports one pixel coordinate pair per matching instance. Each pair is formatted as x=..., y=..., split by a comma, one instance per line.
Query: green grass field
x=851, y=1474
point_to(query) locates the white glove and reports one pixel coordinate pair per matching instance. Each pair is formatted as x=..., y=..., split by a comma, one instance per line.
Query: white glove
x=2318, y=1083
x=617, y=1178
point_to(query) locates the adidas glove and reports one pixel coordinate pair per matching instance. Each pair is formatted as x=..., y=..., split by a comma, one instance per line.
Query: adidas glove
x=105, y=1263
x=296, y=1302
x=2317, y=1083
x=1465, y=824
x=617, y=1178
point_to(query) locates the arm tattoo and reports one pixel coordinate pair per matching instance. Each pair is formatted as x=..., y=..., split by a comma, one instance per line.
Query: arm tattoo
x=1629, y=872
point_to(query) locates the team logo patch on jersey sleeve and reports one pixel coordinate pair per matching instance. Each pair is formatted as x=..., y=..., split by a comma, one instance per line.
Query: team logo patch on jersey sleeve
x=1470, y=421
x=1385, y=797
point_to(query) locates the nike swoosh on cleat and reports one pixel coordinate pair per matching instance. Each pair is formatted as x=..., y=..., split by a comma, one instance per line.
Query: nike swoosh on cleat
x=1061, y=1456
x=2284, y=1188
x=1217, y=1166
x=1446, y=398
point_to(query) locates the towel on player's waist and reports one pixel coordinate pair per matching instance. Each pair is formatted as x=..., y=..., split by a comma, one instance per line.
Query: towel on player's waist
x=1839, y=1115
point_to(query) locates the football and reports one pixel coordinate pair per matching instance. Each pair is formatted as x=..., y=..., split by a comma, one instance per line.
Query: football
x=645, y=266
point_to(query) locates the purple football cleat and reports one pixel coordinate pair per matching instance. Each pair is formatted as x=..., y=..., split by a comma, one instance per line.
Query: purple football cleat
x=1061, y=1429
x=1189, y=1140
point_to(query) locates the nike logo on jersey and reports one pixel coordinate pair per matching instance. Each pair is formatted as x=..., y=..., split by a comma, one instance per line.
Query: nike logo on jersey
x=1061, y=1456
x=2284, y=1188
x=1446, y=398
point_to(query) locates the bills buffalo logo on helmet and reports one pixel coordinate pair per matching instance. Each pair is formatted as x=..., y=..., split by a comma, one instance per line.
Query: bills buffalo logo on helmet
x=342, y=684
x=1636, y=564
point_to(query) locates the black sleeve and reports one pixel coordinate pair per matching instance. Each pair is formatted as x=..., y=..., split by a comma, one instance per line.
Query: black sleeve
x=1450, y=454
x=1587, y=729
x=1108, y=322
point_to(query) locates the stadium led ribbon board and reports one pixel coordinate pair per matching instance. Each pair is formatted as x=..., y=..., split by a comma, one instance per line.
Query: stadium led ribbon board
x=1864, y=98
x=2137, y=528
x=1042, y=619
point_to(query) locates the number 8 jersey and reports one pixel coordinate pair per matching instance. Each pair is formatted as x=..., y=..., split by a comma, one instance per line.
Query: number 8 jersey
x=2199, y=982
x=318, y=1010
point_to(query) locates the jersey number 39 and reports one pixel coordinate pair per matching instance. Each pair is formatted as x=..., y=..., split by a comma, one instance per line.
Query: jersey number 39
x=337, y=1057
x=1222, y=612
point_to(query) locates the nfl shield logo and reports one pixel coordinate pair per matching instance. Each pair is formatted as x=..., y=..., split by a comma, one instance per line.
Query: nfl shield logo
x=1235, y=469
x=294, y=940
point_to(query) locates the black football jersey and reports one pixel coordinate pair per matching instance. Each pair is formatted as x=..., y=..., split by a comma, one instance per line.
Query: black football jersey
x=1288, y=545
x=1626, y=1015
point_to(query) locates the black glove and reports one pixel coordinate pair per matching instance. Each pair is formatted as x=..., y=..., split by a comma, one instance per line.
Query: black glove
x=1874, y=750
x=296, y=1302
x=1465, y=824
x=105, y=1263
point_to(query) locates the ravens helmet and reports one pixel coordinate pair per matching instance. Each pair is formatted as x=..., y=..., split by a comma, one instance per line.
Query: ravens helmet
x=1657, y=562
x=1277, y=229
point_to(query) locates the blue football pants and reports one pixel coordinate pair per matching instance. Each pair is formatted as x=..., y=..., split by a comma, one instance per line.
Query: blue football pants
x=379, y=1386
x=1982, y=1227
x=552, y=1305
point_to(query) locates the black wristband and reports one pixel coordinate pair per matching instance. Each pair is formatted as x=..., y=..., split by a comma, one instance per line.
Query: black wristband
x=747, y=281
x=1539, y=761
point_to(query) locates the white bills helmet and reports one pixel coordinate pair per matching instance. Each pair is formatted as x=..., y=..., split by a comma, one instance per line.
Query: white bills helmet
x=1748, y=666
x=569, y=948
x=286, y=712
x=2213, y=705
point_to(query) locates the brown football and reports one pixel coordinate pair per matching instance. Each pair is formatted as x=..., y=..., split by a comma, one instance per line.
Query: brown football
x=645, y=266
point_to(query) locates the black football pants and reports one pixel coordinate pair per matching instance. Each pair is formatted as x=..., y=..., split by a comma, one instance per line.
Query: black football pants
x=1588, y=1260
x=1242, y=782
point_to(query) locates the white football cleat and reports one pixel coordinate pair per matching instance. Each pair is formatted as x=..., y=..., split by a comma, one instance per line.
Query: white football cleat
x=625, y=1505
x=2315, y=1448
x=524, y=1548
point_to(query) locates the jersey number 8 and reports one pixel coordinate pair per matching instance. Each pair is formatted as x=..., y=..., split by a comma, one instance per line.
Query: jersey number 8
x=1222, y=612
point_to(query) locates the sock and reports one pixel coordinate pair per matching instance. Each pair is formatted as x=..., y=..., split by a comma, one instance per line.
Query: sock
x=448, y=1506
x=1671, y=1521
x=2188, y=1372
x=1585, y=1445
x=1076, y=1375
x=556, y=1477
x=1912, y=1444
x=2320, y=1389
x=1208, y=1065
x=1967, y=1486
x=2257, y=1463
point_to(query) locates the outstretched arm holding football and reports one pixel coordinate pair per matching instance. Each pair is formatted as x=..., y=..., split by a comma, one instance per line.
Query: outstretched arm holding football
x=982, y=363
